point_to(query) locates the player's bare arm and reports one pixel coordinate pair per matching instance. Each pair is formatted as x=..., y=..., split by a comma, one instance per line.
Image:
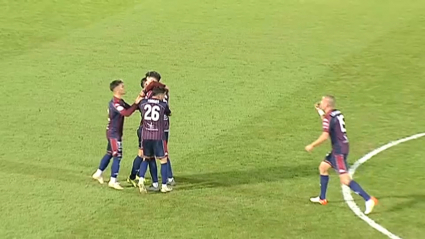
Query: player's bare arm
x=323, y=137
x=154, y=84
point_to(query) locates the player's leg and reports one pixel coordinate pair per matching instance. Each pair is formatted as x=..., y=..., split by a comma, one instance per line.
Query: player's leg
x=345, y=178
x=135, y=168
x=137, y=161
x=153, y=169
x=164, y=170
x=116, y=146
x=148, y=154
x=161, y=155
x=142, y=173
x=104, y=162
x=324, y=167
x=170, y=175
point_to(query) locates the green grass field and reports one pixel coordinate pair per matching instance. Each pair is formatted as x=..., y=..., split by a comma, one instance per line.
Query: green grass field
x=244, y=76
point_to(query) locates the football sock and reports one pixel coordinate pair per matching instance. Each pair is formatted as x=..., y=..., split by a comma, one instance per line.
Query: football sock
x=324, y=179
x=164, y=170
x=155, y=184
x=115, y=167
x=104, y=162
x=113, y=180
x=153, y=169
x=169, y=169
x=143, y=169
x=136, y=166
x=98, y=173
x=359, y=190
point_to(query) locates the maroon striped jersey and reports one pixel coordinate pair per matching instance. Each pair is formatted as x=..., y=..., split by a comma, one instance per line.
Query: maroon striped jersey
x=166, y=118
x=117, y=110
x=153, y=115
x=334, y=124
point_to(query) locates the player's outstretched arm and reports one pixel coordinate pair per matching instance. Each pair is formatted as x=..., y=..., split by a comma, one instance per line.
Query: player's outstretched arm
x=129, y=111
x=323, y=137
x=153, y=85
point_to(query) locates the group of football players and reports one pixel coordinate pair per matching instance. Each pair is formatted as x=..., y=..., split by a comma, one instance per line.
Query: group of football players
x=153, y=132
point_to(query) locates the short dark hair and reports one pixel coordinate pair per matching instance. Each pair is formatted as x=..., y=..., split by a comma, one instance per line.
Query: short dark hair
x=114, y=84
x=158, y=90
x=142, y=82
x=153, y=74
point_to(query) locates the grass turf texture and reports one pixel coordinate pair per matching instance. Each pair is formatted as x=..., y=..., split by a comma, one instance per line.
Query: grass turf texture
x=244, y=76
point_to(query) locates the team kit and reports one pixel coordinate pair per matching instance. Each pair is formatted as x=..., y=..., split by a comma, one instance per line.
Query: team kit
x=153, y=132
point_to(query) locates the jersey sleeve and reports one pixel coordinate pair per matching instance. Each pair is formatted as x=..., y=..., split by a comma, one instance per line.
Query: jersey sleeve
x=118, y=107
x=125, y=111
x=153, y=85
x=167, y=111
x=125, y=105
x=326, y=124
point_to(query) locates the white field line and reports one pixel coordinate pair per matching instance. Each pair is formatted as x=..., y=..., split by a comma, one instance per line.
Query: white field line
x=346, y=191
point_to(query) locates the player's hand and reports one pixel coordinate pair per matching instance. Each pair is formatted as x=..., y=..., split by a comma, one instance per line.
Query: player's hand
x=142, y=94
x=138, y=99
x=317, y=106
x=309, y=148
x=319, y=110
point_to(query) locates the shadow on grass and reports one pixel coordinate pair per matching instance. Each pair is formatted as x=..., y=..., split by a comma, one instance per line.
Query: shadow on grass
x=185, y=182
x=410, y=201
x=252, y=176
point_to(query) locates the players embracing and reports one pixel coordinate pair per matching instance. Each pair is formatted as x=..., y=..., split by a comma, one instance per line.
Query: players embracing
x=154, y=110
x=152, y=134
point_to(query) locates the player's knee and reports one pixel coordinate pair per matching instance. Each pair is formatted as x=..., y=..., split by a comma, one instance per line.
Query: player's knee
x=163, y=160
x=140, y=153
x=345, y=179
x=323, y=168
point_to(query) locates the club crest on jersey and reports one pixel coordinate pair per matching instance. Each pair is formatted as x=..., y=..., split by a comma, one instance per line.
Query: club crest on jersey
x=150, y=125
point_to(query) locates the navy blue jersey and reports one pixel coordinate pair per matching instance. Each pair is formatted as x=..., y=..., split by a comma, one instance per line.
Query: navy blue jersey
x=117, y=109
x=153, y=114
x=334, y=124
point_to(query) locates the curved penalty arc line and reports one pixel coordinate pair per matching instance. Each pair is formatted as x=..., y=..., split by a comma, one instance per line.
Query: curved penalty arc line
x=346, y=191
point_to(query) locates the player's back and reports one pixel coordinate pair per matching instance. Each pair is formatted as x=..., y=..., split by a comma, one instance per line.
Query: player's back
x=153, y=114
x=334, y=124
x=166, y=116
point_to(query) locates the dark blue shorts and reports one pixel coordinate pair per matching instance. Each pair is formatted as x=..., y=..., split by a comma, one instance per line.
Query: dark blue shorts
x=139, y=135
x=338, y=162
x=114, y=147
x=154, y=148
